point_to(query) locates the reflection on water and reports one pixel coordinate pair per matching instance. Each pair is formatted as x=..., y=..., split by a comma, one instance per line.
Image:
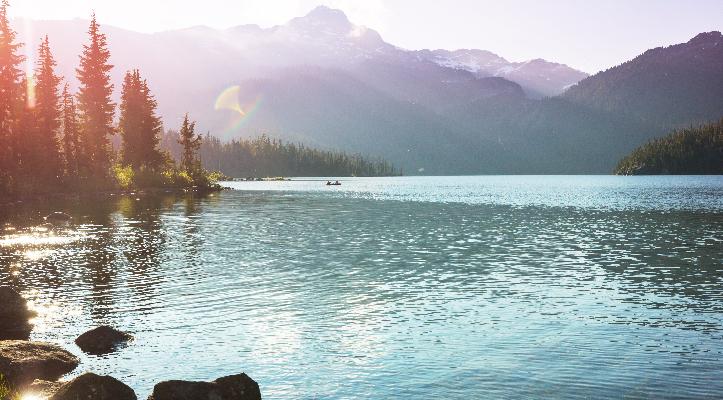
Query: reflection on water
x=401, y=288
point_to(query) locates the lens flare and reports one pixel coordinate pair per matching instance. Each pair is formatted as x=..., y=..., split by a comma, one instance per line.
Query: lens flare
x=230, y=99
x=29, y=73
x=30, y=91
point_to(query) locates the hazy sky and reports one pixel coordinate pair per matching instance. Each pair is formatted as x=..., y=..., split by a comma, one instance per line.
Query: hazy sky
x=589, y=35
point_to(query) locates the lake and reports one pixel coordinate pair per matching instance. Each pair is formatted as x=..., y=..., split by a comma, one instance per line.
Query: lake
x=410, y=287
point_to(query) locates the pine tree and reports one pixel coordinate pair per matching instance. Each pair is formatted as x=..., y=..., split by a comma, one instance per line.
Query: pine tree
x=10, y=91
x=94, y=102
x=46, y=149
x=191, y=143
x=71, y=134
x=139, y=126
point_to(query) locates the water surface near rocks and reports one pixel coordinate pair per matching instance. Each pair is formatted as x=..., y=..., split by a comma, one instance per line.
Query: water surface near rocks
x=421, y=287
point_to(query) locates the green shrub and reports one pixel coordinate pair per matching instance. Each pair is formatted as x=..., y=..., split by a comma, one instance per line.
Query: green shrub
x=184, y=179
x=124, y=176
x=127, y=178
x=5, y=392
x=216, y=176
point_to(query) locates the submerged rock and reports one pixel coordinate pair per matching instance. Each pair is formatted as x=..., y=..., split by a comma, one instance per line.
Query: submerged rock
x=102, y=340
x=90, y=386
x=58, y=218
x=22, y=362
x=14, y=315
x=234, y=387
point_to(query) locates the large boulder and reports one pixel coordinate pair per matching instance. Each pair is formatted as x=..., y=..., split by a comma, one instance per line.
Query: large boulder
x=90, y=386
x=234, y=387
x=102, y=340
x=21, y=362
x=14, y=315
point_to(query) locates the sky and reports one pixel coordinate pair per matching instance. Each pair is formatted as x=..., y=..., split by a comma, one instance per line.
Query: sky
x=585, y=34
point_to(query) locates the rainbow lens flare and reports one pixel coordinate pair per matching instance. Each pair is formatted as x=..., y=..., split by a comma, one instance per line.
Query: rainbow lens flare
x=229, y=100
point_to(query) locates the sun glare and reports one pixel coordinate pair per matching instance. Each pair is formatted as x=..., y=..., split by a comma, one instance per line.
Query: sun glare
x=29, y=65
x=30, y=90
x=32, y=396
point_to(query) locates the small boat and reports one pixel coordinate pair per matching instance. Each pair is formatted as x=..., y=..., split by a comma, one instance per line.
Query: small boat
x=337, y=183
x=58, y=218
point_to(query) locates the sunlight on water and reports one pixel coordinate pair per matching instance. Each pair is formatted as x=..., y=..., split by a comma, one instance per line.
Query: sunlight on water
x=457, y=287
x=600, y=192
x=39, y=237
x=49, y=312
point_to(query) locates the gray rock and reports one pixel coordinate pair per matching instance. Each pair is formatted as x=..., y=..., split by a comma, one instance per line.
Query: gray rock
x=90, y=386
x=102, y=340
x=234, y=387
x=22, y=362
x=14, y=315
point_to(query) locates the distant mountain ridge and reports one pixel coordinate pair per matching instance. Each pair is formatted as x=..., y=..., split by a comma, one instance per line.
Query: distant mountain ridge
x=538, y=77
x=669, y=86
x=321, y=80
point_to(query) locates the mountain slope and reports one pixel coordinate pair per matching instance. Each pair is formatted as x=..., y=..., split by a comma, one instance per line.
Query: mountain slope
x=329, y=108
x=696, y=150
x=324, y=81
x=666, y=86
x=211, y=57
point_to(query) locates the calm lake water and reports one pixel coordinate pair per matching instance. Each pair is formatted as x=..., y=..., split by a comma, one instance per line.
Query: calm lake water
x=417, y=287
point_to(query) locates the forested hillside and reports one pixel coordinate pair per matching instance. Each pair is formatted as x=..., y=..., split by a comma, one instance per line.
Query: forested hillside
x=669, y=87
x=696, y=150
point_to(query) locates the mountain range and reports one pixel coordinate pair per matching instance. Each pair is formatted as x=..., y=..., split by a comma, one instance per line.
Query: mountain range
x=324, y=81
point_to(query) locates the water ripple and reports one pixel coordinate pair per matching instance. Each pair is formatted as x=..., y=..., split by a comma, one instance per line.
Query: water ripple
x=457, y=291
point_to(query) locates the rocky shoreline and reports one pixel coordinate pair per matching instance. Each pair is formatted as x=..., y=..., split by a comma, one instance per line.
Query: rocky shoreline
x=29, y=367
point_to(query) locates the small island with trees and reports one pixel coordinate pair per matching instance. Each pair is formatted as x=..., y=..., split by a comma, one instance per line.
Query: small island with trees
x=55, y=141
x=693, y=151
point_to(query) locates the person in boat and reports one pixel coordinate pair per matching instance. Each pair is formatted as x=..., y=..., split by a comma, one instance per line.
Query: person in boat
x=337, y=183
x=328, y=183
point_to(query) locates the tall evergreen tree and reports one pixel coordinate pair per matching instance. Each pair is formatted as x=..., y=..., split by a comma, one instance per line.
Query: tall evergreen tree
x=10, y=91
x=139, y=126
x=94, y=102
x=71, y=134
x=46, y=149
x=191, y=143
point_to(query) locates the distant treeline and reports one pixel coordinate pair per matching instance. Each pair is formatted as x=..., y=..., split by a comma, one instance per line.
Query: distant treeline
x=267, y=157
x=696, y=150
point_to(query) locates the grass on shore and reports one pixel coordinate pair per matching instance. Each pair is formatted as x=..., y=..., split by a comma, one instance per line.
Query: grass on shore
x=6, y=393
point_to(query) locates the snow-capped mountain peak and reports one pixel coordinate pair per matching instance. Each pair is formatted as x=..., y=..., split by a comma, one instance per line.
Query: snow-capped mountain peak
x=539, y=77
